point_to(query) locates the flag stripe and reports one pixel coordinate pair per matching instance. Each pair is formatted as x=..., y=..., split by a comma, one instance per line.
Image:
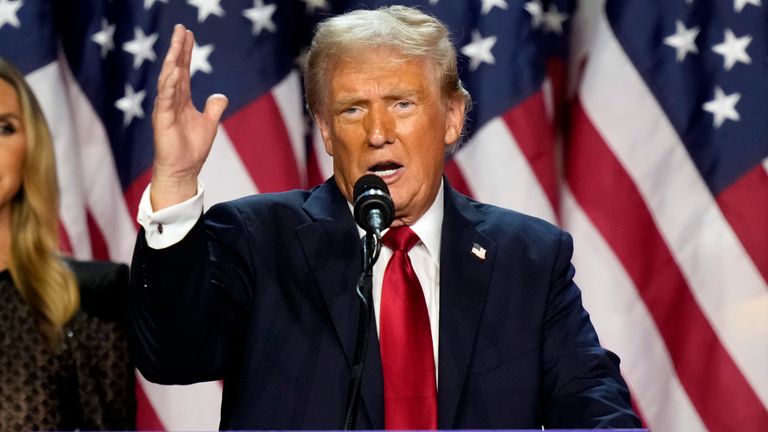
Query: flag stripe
x=314, y=174
x=616, y=207
x=288, y=97
x=98, y=175
x=606, y=287
x=745, y=205
x=65, y=244
x=456, y=177
x=224, y=174
x=146, y=417
x=531, y=127
x=556, y=81
x=132, y=194
x=48, y=85
x=98, y=244
x=324, y=162
x=497, y=171
x=272, y=165
x=187, y=407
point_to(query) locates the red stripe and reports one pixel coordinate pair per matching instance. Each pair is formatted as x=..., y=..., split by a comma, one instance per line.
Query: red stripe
x=532, y=128
x=65, y=245
x=132, y=195
x=146, y=418
x=314, y=175
x=453, y=172
x=557, y=70
x=259, y=135
x=745, y=206
x=99, y=249
x=722, y=396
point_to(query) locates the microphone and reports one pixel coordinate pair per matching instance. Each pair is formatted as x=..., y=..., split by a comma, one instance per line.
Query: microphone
x=374, y=211
x=374, y=208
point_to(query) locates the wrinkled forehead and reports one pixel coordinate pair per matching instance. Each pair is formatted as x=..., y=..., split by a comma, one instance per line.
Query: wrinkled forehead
x=371, y=62
x=380, y=54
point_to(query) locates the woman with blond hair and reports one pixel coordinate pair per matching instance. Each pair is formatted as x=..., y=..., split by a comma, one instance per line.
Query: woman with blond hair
x=64, y=357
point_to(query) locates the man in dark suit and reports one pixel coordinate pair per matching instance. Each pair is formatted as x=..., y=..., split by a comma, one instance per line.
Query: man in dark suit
x=260, y=292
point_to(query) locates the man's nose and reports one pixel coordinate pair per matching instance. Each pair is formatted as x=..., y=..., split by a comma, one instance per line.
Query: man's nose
x=380, y=127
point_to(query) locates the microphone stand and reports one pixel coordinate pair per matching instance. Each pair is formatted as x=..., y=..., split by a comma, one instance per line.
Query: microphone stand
x=371, y=246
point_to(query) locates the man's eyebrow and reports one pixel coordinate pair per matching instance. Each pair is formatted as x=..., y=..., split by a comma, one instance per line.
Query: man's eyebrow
x=350, y=100
x=406, y=92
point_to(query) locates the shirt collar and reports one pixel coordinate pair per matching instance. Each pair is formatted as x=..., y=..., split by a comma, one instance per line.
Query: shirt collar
x=429, y=227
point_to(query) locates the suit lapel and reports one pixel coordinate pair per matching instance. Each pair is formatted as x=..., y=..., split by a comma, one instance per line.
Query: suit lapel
x=466, y=264
x=332, y=248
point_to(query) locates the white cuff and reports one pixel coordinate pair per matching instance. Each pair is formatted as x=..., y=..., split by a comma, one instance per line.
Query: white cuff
x=170, y=225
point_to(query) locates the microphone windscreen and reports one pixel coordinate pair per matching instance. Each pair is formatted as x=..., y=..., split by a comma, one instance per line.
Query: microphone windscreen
x=373, y=207
x=367, y=182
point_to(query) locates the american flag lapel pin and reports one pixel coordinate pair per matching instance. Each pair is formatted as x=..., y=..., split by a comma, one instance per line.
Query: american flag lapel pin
x=478, y=251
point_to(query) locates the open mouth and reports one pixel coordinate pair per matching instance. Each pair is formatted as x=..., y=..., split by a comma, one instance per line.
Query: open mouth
x=385, y=169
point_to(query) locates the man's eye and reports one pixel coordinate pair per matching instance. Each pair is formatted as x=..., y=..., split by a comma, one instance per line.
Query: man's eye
x=404, y=104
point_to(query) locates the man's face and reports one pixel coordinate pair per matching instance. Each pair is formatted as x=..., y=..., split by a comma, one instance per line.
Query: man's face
x=386, y=115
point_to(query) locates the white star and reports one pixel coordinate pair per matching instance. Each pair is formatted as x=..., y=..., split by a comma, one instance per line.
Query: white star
x=8, y=10
x=723, y=107
x=537, y=12
x=733, y=49
x=489, y=4
x=684, y=40
x=261, y=16
x=433, y=2
x=479, y=50
x=315, y=4
x=206, y=7
x=738, y=5
x=553, y=19
x=148, y=3
x=130, y=104
x=141, y=47
x=105, y=38
x=199, y=60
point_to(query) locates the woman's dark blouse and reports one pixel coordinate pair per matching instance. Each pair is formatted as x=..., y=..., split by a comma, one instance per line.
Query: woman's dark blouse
x=87, y=381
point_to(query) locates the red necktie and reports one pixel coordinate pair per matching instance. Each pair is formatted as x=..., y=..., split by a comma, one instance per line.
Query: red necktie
x=410, y=393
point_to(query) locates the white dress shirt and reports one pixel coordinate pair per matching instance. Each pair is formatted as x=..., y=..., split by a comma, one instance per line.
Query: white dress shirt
x=425, y=258
x=170, y=225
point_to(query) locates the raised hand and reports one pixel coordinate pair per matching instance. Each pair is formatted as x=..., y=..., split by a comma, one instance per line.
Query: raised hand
x=183, y=135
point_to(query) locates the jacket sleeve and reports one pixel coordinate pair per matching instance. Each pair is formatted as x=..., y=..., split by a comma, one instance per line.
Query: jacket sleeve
x=190, y=299
x=582, y=383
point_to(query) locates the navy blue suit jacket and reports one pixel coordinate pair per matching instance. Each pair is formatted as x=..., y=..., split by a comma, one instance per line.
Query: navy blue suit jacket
x=261, y=294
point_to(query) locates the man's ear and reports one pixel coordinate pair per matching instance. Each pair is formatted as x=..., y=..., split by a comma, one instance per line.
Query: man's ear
x=325, y=133
x=454, y=119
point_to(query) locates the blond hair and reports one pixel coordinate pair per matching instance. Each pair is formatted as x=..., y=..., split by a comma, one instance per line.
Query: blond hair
x=411, y=32
x=40, y=276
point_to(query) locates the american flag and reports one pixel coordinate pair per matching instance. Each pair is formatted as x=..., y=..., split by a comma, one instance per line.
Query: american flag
x=641, y=127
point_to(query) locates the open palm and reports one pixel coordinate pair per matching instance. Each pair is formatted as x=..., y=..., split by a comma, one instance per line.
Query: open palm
x=183, y=135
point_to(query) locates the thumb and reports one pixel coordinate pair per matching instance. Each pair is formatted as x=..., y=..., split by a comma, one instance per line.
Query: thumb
x=215, y=106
